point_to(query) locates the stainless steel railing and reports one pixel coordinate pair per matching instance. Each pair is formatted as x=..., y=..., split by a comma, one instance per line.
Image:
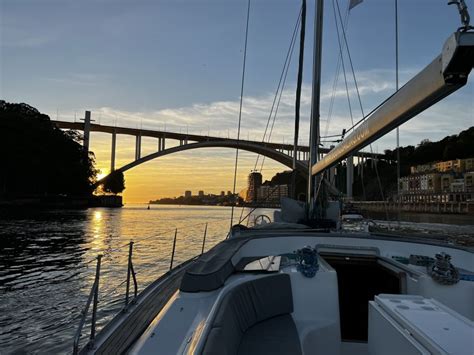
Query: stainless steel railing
x=93, y=295
x=131, y=276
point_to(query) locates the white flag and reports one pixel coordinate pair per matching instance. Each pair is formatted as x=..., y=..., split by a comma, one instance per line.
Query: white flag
x=354, y=3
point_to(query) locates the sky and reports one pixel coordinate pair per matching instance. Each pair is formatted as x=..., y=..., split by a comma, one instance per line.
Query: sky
x=177, y=65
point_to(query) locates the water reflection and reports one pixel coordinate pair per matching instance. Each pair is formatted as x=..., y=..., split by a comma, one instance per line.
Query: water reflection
x=47, y=265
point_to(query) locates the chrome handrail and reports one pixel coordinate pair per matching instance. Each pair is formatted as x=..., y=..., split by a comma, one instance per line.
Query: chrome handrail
x=93, y=295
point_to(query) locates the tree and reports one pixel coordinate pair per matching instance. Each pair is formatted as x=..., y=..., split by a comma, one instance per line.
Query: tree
x=114, y=183
x=38, y=158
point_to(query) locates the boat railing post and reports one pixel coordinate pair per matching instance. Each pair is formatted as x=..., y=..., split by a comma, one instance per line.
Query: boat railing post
x=129, y=270
x=204, y=239
x=174, y=247
x=93, y=293
x=96, y=300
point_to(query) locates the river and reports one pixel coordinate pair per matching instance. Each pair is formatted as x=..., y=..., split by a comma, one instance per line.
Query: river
x=47, y=264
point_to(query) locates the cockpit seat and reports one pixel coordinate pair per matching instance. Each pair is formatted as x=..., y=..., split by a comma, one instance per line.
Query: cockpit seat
x=254, y=317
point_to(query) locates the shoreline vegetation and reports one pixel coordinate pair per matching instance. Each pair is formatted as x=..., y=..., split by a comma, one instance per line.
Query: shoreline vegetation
x=46, y=167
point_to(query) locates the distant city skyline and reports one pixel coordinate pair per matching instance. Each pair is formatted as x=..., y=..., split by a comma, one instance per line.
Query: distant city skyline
x=178, y=65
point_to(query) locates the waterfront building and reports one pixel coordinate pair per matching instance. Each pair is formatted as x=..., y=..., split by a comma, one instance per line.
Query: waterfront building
x=201, y=193
x=446, y=181
x=457, y=185
x=187, y=194
x=254, y=181
x=455, y=165
x=268, y=194
x=422, y=168
x=469, y=164
x=469, y=182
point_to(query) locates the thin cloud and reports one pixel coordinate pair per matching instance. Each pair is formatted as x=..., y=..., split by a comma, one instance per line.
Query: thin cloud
x=220, y=118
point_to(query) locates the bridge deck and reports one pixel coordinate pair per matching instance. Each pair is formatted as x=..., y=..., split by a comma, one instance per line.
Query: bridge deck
x=185, y=136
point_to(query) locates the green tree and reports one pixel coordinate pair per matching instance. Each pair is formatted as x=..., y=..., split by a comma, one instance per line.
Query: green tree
x=114, y=183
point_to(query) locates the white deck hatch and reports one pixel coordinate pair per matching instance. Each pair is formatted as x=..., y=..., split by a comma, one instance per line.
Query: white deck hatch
x=426, y=326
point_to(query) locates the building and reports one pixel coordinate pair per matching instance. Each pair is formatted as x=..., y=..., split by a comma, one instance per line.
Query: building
x=421, y=184
x=254, y=181
x=187, y=194
x=457, y=185
x=456, y=165
x=446, y=181
x=422, y=168
x=222, y=193
x=201, y=193
x=469, y=164
x=271, y=194
x=430, y=183
x=469, y=182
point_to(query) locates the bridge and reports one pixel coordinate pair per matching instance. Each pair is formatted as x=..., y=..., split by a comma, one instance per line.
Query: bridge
x=280, y=152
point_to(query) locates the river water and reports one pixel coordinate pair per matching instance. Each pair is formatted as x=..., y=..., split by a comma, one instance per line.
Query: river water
x=47, y=264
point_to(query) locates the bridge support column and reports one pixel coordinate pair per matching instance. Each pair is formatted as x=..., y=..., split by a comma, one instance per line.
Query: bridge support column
x=87, y=131
x=112, y=157
x=349, y=175
x=159, y=144
x=138, y=147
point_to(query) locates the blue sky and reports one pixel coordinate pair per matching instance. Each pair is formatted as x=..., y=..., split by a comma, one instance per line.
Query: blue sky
x=178, y=63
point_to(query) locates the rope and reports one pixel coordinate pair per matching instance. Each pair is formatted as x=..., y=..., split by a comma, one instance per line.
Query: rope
x=240, y=110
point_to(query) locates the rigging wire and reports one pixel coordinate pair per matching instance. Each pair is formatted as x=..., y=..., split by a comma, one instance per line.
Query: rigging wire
x=279, y=100
x=240, y=110
x=336, y=78
x=398, y=128
x=342, y=62
x=278, y=94
x=285, y=65
x=362, y=108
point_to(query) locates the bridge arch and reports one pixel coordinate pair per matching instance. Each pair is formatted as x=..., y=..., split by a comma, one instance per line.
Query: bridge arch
x=247, y=146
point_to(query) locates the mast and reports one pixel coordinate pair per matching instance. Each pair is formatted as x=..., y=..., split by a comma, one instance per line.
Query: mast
x=315, y=107
x=298, y=97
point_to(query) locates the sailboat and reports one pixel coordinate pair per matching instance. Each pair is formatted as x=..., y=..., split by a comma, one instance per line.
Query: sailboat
x=289, y=288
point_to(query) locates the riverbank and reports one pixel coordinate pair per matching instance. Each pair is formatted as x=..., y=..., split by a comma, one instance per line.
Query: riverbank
x=442, y=208
x=417, y=217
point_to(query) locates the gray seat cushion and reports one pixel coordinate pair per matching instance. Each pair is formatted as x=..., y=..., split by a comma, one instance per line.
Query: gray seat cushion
x=246, y=305
x=276, y=335
x=212, y=268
